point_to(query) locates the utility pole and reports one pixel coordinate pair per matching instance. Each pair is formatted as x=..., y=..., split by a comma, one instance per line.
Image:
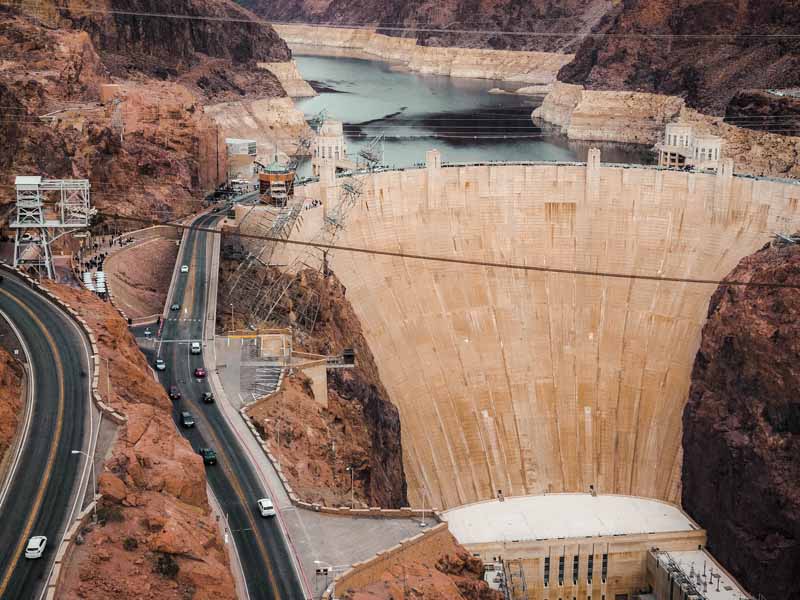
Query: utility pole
x=352, y=487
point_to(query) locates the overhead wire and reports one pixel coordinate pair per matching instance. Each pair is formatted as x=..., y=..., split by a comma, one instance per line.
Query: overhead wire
x=253, y=19
x=460, y=261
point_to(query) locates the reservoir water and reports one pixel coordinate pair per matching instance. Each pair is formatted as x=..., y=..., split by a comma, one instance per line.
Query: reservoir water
x=416, y=113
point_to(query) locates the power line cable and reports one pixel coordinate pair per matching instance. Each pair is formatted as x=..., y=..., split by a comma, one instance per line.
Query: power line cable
x=460, y=261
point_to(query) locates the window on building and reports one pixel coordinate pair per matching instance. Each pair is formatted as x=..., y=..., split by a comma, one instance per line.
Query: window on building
x=575, y=567
x=590, y=569
x=560, y=570
x=546, y=571
x=604, y=573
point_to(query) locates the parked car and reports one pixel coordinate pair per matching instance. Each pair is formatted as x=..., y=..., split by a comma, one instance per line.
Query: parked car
x=209, y=456
x=266, y=508
x=200, y=372
x=187, y=420
x=174, y=392
x=207, y=398
x=36, y=546
x=184, y=268
x=195, y=348
x=175, y=306
x=160, y=364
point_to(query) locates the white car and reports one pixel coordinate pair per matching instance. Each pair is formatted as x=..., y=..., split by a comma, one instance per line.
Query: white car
x=195, y=348
x=184, y=268
x=35, y=547
x=266, y=508
x=161, y=365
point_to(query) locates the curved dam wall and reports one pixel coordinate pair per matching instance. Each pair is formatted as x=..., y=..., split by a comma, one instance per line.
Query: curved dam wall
x=532, y=382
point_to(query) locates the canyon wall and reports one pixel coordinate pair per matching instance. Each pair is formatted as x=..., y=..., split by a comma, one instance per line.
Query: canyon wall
x=531, y=382
x=496, y=24
x=526, y=67
x=702, y=50
x=12, y=376
x=741, y=440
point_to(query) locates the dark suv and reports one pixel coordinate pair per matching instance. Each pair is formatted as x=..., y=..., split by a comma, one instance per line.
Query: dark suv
x=174, y=392
x=187, y=420
x=209, y=456
x=207, y=397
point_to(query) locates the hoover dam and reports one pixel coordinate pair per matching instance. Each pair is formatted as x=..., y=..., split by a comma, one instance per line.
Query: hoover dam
x=513, y=382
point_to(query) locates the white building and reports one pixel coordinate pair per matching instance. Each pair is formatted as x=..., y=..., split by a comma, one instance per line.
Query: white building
x=330, y=145
x=683, y=148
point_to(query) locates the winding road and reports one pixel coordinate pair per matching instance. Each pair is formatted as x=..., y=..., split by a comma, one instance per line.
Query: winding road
x=264, y=556
x=46, y=478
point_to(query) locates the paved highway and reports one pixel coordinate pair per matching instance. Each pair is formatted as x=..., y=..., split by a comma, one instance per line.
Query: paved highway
x=265, y=559
x=40, y=497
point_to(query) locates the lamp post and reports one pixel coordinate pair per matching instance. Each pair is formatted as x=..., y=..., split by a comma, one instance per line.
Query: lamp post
x=352, y=487
x=94, y=482
x=232, y=321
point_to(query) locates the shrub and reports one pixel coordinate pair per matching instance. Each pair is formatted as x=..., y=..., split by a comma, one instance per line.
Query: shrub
x=130, y=543
x=110, y=513
x=167, y=566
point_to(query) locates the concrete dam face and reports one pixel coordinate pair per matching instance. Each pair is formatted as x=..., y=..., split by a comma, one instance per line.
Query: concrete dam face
x=525, y=382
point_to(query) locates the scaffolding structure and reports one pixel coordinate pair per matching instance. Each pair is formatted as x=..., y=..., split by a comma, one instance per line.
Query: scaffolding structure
x=45, y=210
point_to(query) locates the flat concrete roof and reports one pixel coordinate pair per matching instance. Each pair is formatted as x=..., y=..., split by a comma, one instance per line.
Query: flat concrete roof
x=563, y=516
x=698, y=562
x=27, y=180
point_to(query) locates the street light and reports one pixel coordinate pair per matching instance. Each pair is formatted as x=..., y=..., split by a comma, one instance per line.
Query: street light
x=352, y=487
x=94, y=482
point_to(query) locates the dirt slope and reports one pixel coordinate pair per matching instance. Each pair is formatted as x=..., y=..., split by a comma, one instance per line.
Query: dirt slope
x=159, y=539
x=11, y=375
x=741, y=470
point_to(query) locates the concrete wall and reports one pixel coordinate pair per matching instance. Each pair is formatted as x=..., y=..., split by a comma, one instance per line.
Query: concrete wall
x=530, y=382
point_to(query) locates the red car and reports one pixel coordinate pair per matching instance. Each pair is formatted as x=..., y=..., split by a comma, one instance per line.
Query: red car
x=199, y=372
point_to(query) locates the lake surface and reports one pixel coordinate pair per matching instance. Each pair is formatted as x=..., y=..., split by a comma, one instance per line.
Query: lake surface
x=416, y=113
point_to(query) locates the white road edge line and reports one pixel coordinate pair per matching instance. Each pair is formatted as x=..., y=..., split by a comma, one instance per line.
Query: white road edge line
x=31, y=389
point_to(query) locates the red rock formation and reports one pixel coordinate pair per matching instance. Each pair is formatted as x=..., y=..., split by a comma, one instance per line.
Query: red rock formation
x=634, y=53
x=741, y=469
x=155, y=509
x=451, y=574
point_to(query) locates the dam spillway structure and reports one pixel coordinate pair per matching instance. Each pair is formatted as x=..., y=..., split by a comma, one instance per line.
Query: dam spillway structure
x=514, y=382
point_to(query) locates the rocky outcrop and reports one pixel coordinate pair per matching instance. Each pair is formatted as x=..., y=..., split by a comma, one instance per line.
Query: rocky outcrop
x=155, y=510
x=773, y=112
x=608, y=116
x=741, y=440
x=290, y=78
x=719, y=48
x=522, y=66
x=360, y=426
x=434, y=568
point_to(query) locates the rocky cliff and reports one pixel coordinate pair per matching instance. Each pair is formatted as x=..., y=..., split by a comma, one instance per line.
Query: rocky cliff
x=500, y=24
x=157, y=149
x=360, y=426
x=636, y=50
x=158, y=538
x=741, y=440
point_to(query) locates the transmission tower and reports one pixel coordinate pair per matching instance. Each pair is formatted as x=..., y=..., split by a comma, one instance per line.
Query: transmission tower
x=373, y=152
x=45, y=210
